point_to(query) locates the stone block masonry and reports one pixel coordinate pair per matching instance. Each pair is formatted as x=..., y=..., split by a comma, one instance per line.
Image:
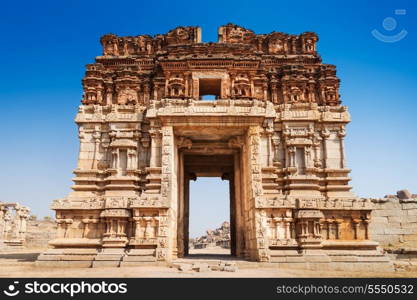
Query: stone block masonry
x=39, y=233
x=394, y=220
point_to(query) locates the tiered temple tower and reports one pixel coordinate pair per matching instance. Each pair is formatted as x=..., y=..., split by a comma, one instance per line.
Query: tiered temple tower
x=275, y=129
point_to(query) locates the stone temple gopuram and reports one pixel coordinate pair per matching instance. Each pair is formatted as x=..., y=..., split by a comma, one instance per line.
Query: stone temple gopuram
x=274, y=128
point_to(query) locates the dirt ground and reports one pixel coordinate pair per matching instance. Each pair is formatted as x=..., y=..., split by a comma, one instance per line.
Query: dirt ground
x=22, y=264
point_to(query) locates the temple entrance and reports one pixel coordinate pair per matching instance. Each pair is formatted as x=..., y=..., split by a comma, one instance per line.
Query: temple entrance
x=222, y=166
x=278, y=139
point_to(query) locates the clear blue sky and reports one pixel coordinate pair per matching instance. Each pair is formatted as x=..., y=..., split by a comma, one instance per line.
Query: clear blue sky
x=45, y=45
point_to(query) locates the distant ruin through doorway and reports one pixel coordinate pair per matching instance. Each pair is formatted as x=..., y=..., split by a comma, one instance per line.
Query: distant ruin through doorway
x=209, y=216
x=196, y=166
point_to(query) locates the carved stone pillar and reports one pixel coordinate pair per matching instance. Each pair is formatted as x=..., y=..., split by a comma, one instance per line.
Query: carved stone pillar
x=7, y=224
x=121, y=227
x=131, y=159
x=317, y=228
x=287, y=224
x=146, y=93
x=277, y=223
x=68, y=223
x=155, y=147
x=342, y=134
x=291, y=156
x=269, y=130
x=137, y=227
x=308, y=159
x=144, y=152
x=327, y=224
x=148, y=228
x=257, y=245
x=196, y=89
x=275, y=144
x=2, y=210
x=17, y=222
x=109, y=95
x=355, y=224
x=323, y=228
x=316, y=148
x=274, y=93
x=325, y=135
x=366, y=228
x=338, y=222
x=162, y=230
x=304, y=229
x=97, y=139
x=168, y=195
x=265, y=91
x=61, y=227
x=86, y=229
x=109, y=227
x=115, y=159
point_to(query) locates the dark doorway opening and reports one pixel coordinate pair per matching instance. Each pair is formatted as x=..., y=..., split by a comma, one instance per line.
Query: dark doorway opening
x=210, y=88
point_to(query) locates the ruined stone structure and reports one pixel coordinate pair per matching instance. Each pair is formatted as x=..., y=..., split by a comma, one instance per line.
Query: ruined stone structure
x=394, y=221
x=40, y=232
x=13, y=224
x=275, y=130
x=218, y=237
x=393, y=224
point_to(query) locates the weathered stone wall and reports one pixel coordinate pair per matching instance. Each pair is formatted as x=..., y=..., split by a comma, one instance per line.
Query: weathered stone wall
x=39, y=232
x=394, y=220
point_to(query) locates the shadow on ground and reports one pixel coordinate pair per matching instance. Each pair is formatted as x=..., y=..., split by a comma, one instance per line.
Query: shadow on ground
x=24, y=257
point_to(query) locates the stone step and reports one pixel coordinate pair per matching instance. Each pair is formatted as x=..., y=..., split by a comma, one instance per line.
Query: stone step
x=46, y=257
x=106, y=264
x=138, y=258
x=108, y=257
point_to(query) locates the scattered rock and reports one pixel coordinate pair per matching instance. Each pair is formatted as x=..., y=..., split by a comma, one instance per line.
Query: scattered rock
x=185, y=267
x=201, y=267
x=400, y=265
x=404, y=194
x=230, y=269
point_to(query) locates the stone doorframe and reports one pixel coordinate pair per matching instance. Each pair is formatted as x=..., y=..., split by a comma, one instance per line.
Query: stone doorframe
x=223, y=127
x=220, y=75
x=226, y=163
x=241, y=171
